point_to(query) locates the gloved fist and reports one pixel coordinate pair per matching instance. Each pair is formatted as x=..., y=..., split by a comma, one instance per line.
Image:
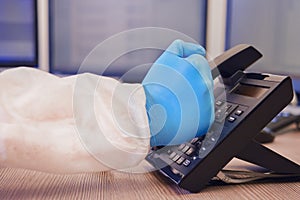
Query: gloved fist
x=179, y=95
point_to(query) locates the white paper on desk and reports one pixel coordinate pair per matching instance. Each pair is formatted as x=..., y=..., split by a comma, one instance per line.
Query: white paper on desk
x=237, y=177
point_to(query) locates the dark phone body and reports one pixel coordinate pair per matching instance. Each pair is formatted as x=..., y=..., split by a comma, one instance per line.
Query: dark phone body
x=245, y=104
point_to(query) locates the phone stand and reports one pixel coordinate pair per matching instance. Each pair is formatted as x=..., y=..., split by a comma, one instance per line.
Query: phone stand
x=262, y=156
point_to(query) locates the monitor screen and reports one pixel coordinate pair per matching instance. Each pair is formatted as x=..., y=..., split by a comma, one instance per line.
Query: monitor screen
x=77, y=27
x=18, y=33
x=272, y=27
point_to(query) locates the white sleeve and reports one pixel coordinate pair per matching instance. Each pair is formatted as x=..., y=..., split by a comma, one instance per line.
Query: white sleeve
x=80, y=123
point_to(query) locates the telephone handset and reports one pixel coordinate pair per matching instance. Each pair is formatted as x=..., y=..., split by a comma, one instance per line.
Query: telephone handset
x=244, y=104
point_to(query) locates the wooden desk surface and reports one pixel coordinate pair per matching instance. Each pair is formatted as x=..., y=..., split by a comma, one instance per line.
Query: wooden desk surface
x=24, y=184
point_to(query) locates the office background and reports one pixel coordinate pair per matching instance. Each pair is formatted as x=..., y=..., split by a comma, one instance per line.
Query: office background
x=56, y=35
x=270, y=25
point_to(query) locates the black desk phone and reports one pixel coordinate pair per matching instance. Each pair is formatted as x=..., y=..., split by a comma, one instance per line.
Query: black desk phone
x=244, y=104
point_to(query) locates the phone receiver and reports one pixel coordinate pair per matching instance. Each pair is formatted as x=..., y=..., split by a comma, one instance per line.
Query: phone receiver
x=233, y=60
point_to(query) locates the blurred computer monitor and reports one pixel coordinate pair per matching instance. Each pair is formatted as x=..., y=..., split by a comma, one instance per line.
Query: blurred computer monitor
x=77, y=27
x=272, y=27
x=18, y=33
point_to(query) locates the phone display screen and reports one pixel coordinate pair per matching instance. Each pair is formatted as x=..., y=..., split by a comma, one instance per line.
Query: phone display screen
x=250, y=90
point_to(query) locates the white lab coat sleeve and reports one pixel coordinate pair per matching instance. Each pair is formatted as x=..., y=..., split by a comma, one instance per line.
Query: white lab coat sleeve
x=80, y=123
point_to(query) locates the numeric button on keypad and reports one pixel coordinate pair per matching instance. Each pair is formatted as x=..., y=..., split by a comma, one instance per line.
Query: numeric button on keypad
x=180, y=160
x=190, y=151
x=172, y=155
x=185, y=148
x=219, y=103
x=194, y=140
x=181, y=146
x=176, y=157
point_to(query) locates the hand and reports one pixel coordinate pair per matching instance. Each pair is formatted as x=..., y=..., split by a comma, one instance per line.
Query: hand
x=179, y=95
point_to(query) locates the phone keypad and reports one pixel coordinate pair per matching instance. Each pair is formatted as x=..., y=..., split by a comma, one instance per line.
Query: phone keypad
x=223, y=110
x=184, y=154
x=179, y=159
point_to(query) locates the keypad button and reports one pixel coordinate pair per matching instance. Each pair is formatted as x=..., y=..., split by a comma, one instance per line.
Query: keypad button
x=231, y=119
x=238, y=112
x=186, y=162
x=227, y=113
x=185, y=148
x=227, y=107
x=194, y=140
x=190, y=151
x=176, y=157
x=220, y=115
x=180, y=160
x=230, y=108
x=222, y=112
x=219, y=103
x=181, y=146
x=172, y=155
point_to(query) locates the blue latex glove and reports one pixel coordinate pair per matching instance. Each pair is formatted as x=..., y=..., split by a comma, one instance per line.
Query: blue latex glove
x=179, y=95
